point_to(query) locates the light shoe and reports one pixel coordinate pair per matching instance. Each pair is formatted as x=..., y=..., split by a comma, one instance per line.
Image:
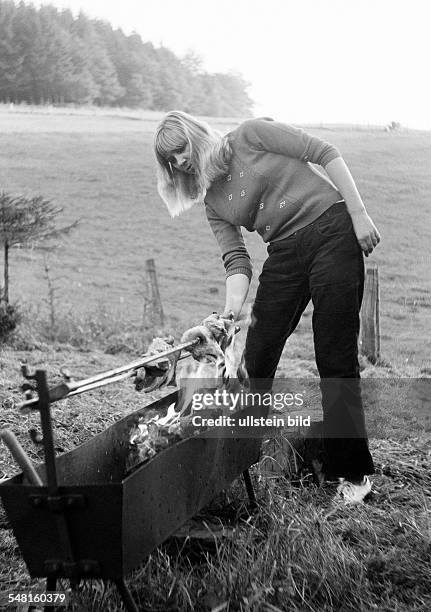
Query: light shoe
x=351, y=493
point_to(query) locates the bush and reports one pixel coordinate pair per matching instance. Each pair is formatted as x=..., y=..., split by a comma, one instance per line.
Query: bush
x=10, y=317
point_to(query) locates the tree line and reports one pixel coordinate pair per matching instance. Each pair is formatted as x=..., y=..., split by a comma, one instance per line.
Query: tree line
x=49, y=56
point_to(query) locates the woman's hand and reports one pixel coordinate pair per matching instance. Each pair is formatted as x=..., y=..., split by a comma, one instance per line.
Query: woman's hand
x=236, y=293
x=366, y=232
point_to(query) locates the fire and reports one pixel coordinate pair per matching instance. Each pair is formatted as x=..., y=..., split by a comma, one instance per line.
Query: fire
x=216, y=367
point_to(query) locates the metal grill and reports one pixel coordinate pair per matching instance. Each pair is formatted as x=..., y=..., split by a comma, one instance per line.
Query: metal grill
x=87, y=500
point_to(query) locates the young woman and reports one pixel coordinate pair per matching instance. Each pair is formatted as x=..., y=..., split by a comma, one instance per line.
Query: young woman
x=260, y=176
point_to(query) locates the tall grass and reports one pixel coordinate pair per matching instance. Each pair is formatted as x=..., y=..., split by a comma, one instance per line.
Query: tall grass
x=299, y=552
x=100, y=328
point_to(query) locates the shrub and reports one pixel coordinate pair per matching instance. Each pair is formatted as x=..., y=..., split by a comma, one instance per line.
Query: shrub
x=10, y=317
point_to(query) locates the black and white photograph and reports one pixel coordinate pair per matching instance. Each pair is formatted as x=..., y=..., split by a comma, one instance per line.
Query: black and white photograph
x=215, y=306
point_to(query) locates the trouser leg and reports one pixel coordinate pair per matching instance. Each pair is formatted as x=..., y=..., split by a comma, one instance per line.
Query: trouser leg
x=336, y=283
x=281, y=298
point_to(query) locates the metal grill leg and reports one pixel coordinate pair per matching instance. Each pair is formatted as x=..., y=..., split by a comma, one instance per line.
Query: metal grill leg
x=51, y=585
x=249, y=488
x=126, y=596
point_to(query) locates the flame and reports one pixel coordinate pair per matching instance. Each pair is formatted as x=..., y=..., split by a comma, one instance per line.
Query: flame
x=150, y=435
x=191, y=383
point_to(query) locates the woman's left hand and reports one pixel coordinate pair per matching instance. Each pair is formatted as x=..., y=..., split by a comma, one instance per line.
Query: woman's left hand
x=366, y=232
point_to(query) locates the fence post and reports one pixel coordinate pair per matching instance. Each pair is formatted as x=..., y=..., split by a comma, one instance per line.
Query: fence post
x=153, y=304
x=370, y=316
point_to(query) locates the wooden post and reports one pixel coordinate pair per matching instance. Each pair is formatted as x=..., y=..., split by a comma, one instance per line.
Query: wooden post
x=370, y=321
x=153, y=304
x=6, y=273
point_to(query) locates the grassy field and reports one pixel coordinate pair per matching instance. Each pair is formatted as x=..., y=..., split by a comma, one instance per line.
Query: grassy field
x=100, y=169
x=300, y=552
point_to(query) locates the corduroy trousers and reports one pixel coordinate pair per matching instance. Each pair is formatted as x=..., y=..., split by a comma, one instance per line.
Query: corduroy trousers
x=322, y=262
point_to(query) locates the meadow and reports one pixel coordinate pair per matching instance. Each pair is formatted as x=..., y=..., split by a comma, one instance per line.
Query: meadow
x=300, y=551
x=101, y=170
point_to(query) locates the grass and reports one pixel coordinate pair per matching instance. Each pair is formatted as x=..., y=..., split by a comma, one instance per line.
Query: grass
x=299, y=552
x=100, y=169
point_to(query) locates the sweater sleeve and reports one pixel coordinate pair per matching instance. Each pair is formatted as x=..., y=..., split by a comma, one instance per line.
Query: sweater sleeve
x=236, y=259
x=268, y=135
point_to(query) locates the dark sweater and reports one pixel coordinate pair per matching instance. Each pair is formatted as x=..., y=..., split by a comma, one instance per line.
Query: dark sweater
x=270, y=187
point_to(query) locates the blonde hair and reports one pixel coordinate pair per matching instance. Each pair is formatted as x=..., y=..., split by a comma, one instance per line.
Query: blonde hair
x=209, y=156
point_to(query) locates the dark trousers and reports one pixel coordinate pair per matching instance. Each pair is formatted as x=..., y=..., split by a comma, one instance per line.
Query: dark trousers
x=322, y=262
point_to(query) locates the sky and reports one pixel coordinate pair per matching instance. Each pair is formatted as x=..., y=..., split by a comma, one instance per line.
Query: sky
x=307, y=61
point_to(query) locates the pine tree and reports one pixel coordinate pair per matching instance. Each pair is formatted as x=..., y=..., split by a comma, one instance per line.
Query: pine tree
x=47, y=55
x=11, y=58
x=27, y=222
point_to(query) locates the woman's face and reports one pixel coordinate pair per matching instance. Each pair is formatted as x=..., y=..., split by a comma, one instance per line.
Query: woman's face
x=181, y=160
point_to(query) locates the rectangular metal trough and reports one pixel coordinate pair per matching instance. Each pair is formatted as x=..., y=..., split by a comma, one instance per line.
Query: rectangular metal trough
x=115, y=520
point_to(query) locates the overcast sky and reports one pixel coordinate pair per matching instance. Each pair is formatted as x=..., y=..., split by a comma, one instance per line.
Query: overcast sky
x=360, y=61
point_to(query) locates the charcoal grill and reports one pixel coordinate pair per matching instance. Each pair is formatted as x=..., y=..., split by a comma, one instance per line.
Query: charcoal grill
x=90, y=520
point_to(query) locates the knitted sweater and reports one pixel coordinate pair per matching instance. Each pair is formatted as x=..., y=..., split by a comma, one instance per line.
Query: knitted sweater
x=270, y=187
